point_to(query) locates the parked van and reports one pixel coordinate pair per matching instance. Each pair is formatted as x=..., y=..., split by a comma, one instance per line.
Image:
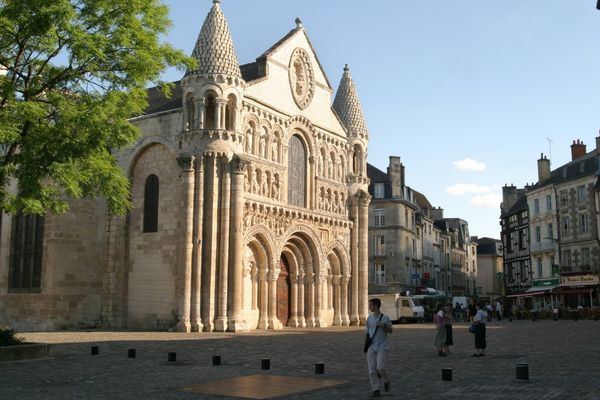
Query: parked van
x=399, y=308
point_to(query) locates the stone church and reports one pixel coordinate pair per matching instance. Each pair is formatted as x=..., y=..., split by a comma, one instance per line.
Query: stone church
x=250, y=210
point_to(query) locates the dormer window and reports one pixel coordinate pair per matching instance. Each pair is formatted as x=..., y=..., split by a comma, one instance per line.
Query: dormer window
x=379, y=190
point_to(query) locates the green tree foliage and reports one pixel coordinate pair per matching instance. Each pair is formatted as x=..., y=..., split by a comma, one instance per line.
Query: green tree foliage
x=72, y=72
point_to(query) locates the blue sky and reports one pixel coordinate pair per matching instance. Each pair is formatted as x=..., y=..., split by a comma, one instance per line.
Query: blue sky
x=466, y=92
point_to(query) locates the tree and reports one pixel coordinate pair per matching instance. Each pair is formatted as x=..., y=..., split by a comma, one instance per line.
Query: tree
x=72, y=74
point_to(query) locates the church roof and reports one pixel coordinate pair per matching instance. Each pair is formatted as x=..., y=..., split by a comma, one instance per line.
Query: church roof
x=214, y=49
x=348, y=108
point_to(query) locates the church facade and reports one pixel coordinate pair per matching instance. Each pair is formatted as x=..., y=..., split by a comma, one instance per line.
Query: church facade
x=250, y=197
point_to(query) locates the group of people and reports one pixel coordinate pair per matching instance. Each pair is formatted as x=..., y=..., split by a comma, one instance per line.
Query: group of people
x=379, y=326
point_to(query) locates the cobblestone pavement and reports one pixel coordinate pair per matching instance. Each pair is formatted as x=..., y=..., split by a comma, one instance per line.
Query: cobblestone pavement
x=563, y=358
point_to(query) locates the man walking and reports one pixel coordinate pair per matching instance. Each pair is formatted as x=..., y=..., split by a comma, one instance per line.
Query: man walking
x=378, y=327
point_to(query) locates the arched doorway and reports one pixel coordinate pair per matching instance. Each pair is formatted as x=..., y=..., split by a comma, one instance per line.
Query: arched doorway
x=283, y=292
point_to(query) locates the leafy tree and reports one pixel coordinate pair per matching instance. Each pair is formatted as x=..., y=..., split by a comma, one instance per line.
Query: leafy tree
x=72, y=72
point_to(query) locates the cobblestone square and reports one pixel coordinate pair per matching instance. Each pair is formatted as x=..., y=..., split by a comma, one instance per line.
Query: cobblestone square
x=563, y=359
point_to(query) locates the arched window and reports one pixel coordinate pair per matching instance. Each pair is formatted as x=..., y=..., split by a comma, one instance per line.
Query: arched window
x=211, y=112
x=25, y=271
x=230, y=113
x=191, y=115
x=151, y=204
x=297, y=173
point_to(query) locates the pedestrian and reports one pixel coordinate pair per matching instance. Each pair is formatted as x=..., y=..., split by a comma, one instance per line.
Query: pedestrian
x=440, y=324
x=378, y=328
x=479, y=324
x=471, y=309
x=448, y=326
x=490, y=312
x=499, y=309
x=458, y=308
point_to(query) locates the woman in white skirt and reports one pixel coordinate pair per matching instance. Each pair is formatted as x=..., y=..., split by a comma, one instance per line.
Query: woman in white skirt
x=440, y=336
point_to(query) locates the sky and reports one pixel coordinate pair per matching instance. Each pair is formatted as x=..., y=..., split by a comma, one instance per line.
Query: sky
x=468, y=93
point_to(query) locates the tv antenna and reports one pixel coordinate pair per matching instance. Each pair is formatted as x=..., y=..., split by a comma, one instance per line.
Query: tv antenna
x=550, y=141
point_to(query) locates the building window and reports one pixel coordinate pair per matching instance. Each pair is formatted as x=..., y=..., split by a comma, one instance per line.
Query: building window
x=552, y=265
x=566, y=226
x=564, y=198
x=151, y=204
x=27, y=237
x=379, y=245
x=538, y=234
x=379, y=274
x=567, y=258
x=548, y=202
x=379, y=214
x=550, y=231
x=297, y=172
x=581, y=194
x=583, y=223
x=585, y=257
x=379, y=190
x=536, y=206
x=539, y=268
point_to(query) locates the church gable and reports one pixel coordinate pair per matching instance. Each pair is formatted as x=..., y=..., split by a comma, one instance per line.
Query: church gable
x=295, y=82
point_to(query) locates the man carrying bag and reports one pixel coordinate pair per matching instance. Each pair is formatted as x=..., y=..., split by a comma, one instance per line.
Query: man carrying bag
x=376, y=344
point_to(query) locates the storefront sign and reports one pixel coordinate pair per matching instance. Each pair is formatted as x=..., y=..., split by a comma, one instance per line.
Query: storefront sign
x=545, y=282
x=580, y=280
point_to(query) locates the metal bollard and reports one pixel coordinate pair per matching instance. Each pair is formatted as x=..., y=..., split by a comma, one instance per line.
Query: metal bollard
x=446, y=374
x=216, y=360
x=172, y=357
x=265, y=363
x=95, y=350
x=319, y=368
x=131, y=353
x=522, y=372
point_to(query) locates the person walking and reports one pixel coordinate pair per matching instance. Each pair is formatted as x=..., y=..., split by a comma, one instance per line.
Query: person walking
x=378, y=328
x=448, y=326
x=471, y=309
x=479, y=323
x=499, y=310
x=440, y=324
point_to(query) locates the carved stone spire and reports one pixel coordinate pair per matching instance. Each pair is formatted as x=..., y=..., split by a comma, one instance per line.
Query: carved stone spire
x=348, y=108
x=214, y=49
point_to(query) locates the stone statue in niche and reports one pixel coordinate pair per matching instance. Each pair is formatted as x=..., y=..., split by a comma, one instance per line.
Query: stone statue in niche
x=261, y=146
x=321, y=165
x=255, y=182
x=264, y=188
x=275, y=193
x=249, y=140
x=329, y=168
x=340, y=170
x=275, y=150
x=335, y=203
x=248, y=180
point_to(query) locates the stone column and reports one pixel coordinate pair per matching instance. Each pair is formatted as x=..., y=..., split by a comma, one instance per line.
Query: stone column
x=201, y=112
x=263, y=311
x=354, y=250
x=319, y=301
x=337, y=304
x=274, y=322
x=301, y=300
x=221, y=105
x=223, y=265
x=209, y=248
x=363, y=262
x=310, y=304
x=344, y=300
x=184, y=273
x=293, y=300
x=196, y=320
x=254, y=280
x=236, y=322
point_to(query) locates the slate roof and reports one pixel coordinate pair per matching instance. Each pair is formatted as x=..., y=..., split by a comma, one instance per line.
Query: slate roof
x=348, y=108
x=214, y=49
x=586, y=165
x=157, y=102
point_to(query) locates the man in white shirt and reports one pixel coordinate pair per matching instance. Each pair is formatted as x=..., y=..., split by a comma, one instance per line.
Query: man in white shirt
x=378, y=327
x=499, y=310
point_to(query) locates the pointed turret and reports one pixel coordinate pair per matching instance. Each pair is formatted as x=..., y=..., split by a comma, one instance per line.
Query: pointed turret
x=214, y=48
x=348, y=108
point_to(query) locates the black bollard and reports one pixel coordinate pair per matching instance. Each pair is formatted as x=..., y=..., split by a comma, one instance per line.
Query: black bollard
x=216, y=360
x=265, y=363
x=131, y=353
x=319, y=368
x=446, y=374
x=172, y=357
x=95, y=350
x=522, y=371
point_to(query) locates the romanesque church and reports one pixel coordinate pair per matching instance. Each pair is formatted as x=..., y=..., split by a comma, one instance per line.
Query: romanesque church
x=249, y=187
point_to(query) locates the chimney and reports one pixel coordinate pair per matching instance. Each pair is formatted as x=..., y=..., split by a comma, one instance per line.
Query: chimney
x=543, y=168
x=395, y=173
x=437, y=213
x=577, y=149
x=509, y=197
x=598, y=144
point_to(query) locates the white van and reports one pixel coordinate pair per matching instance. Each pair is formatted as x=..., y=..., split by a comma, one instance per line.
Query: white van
x=399, y=308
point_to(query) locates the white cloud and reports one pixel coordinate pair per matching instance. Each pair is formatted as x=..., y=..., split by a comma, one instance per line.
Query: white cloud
x=463, y=188
x=491, y=200
x=468, y=164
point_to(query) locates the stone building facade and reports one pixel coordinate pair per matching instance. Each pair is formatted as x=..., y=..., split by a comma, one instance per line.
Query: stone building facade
x=250, y=196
